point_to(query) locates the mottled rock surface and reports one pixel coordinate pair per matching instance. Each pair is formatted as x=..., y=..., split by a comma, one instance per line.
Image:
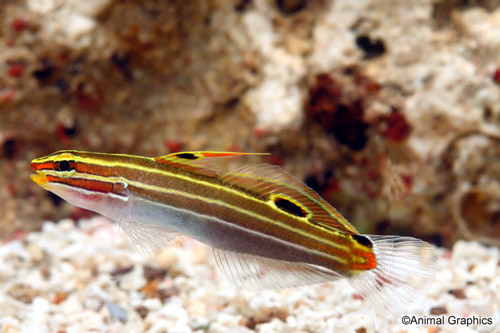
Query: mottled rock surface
x=390, y=109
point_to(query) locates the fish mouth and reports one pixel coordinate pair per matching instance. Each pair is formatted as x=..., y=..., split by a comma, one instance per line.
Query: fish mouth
x=40, y=178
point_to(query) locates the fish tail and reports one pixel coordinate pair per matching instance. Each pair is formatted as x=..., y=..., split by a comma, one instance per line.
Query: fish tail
x=405, y=265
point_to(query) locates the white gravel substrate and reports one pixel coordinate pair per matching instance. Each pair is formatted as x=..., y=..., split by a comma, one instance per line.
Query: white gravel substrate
x=84, y=278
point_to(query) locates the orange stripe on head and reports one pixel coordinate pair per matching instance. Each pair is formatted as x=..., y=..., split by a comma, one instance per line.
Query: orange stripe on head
x=86, y=184
x=42, y=166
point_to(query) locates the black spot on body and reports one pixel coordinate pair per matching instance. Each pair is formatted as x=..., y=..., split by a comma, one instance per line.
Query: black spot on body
x=363, y=240
x=290, y=207
x=187, y=156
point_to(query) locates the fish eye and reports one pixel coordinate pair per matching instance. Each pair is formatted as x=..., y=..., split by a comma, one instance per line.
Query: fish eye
x=63, y=166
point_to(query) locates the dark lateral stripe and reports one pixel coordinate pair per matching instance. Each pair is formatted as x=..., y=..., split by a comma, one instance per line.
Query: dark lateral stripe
x=167, y=170
x=149, y=172
x=254, y=215
x=232, y=198
x=232, y=204
x=166, y=176
x=252, y=222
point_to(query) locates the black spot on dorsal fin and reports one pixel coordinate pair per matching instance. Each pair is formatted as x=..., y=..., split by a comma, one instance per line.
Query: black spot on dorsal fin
x=187, y=156
x=363, y=240
x=290, y=207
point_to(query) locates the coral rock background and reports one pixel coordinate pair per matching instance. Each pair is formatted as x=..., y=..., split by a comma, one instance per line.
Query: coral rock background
x=390, y=109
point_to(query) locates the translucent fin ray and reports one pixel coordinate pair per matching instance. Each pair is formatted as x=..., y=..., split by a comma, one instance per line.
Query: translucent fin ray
x=404, y=266
x=258, y=273
x=149, y=238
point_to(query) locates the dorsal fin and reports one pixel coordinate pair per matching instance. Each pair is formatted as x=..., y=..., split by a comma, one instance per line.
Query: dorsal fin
x=289, y=194
x=200, y=162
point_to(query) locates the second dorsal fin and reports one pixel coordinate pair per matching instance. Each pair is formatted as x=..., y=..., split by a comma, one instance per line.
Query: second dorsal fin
x=289, y=195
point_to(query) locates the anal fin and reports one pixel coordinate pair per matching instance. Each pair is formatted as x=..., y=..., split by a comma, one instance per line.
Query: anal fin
x=149, y=238
x=259, y=273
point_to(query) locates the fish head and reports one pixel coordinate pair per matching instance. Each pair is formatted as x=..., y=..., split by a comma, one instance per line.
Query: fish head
x=77, y=178
x=51, y=169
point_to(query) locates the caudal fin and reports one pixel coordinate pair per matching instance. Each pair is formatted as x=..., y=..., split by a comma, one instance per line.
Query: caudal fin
x=405, y=266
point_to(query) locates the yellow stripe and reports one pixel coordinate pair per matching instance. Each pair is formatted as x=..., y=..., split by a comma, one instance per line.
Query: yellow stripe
x=154, y=170
x=190, y=179
x=211, y=201
x=135, y=166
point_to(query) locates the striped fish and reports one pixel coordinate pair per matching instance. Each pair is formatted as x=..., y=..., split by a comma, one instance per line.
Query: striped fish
x=266, y=228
